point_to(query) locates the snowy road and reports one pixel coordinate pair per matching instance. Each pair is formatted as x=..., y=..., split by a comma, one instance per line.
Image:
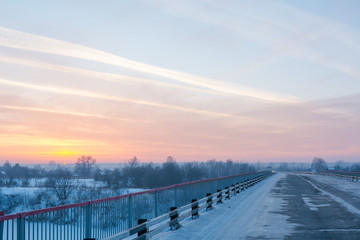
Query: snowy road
x=284, y=206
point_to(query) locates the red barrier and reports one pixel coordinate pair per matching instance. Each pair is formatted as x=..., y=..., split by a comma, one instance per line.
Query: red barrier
x=52, y=209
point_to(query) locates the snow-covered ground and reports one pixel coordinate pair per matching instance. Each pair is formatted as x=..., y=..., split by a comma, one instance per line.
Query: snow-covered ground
x=235, y=219
x=23, y=191
x=35, y=195
x=339, y=183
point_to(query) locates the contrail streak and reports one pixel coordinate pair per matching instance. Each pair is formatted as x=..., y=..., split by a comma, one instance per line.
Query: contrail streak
x=117, y=78
x=30, y=42
x=89, y=94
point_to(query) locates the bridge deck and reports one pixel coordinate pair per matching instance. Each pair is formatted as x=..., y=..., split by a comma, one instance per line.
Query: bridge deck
x=285, y=206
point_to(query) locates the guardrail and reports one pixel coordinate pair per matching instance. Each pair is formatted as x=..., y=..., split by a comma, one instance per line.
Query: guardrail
x=175, y=215
x=105, y=217
x=350, y=176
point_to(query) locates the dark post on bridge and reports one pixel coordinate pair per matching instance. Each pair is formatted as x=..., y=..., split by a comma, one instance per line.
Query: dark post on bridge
x=219, y=197
x=144, y=231
x=238, y=188
x=209, y=202
x=174, y=219
x=227, y=193
x=194, y=209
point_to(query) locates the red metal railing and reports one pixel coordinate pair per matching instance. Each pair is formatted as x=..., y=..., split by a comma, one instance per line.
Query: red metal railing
x=104, y=217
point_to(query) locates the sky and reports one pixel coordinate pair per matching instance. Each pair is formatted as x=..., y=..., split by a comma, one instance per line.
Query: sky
x=193, y=79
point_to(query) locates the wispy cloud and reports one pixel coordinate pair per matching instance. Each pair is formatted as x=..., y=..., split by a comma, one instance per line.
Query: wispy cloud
x=116, y=78
x=89, y=94
x=294, y=33
x=47, y=110
x=35, y=140
x=30, y=42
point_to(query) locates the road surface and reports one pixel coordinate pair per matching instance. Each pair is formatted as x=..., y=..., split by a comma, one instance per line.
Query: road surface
x=284, y=206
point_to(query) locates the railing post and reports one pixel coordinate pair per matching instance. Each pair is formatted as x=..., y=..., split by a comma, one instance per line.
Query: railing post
x=233, y=189
x=156, y=196
x=174, y=219
x=219, y=197
x=20, y=222
x=237, y=188
x=142, y=232
x=227, y=193
x=209, y=202
x=88, y=221
x=2, y=213
x=194, y=209
x=130, y=211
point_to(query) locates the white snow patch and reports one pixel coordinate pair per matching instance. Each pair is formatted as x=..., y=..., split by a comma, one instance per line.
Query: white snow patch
x=314, y=207
x=345, y=204
x=22, y=191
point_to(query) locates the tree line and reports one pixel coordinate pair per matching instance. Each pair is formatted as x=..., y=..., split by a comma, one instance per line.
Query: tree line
x=319, y=164
x=150, y=175
x=133, y=174
x=87, y=181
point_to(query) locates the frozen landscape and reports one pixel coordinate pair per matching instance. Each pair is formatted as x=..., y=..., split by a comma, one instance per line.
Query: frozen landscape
x=115, y=115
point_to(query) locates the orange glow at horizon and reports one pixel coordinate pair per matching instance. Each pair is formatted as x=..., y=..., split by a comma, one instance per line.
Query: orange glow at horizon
x=65, y=153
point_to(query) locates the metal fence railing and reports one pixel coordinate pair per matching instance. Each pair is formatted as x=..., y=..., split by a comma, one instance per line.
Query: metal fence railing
x=105, y=217
x=351, y=176
x=148, y=228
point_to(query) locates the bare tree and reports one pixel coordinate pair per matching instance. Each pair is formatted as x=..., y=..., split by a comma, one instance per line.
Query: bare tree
x=84, y=166
x=171, y=172
x=319, y=164
x=133, y=162
x=61, y=185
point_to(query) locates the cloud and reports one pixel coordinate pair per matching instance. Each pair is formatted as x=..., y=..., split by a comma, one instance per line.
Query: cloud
x=35, y=140
x=281, y=28
x=30, y=42
x=90, y=94
x=46, y=110
x=117, y=78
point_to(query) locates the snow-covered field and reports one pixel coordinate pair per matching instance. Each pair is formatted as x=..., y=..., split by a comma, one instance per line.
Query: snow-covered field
x=35, y=195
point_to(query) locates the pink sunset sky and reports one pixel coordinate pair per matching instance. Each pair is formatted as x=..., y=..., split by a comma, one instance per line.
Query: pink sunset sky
x=197, y=80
